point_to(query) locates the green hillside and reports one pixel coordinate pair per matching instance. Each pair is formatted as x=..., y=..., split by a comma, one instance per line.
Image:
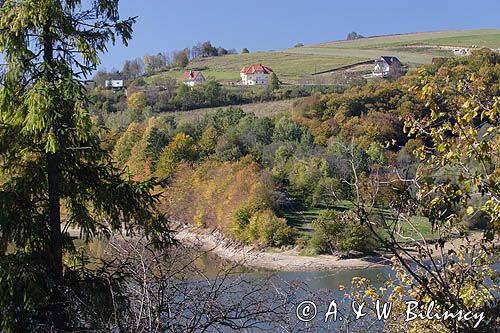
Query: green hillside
x=464, y=38
x=413, y=49
x=296, y=65
x=288, y=66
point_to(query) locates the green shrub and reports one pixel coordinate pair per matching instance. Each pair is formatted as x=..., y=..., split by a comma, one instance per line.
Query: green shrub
x=479, y=220
x=319, y=241
x=268, y=229
x=240, y=222
x=305, y=178
x=340, y=233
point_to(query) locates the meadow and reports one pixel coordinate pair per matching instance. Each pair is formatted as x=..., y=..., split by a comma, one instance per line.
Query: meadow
x=264, y=109
x=489, y=38
x=296, y=65
x=290, y=67
x=302, y=218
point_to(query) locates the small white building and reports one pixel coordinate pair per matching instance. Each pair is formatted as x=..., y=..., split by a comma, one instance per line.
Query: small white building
x=255, y=74
x=115, y=84
x=462, y=52
x=192, y=78
x=388, y=67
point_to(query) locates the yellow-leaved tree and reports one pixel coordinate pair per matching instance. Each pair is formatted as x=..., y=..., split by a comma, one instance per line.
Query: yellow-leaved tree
x=456, y=186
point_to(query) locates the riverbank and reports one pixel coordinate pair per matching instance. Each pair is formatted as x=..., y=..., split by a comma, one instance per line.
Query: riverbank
x=290, y=260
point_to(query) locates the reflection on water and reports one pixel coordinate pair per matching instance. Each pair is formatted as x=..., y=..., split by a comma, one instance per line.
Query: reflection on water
x=211, y=265
x=332, y=280
x=245, y=287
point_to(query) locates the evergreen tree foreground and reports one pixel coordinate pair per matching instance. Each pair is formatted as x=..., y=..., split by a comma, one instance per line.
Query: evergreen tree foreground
x=51, y=162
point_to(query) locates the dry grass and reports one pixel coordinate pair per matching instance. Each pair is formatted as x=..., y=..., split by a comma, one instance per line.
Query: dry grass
x=259, y=109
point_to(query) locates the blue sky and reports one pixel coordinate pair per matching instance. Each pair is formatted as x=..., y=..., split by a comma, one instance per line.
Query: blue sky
x=263, y=25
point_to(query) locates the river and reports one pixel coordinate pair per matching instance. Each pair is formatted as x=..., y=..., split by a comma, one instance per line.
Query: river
x=321, y=287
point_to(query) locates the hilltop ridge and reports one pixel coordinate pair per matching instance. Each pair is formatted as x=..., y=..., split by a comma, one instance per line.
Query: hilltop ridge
x=296, y=65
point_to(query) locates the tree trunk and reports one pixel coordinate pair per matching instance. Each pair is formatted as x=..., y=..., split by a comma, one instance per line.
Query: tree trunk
x=53, y=171
x=59, y=318
x=55, y=215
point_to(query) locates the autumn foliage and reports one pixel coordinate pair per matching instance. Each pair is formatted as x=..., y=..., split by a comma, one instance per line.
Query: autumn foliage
x=238, y=198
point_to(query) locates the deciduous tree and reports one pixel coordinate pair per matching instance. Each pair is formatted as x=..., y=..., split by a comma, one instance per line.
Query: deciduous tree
x=457, y=180
x=181, y=58
x=132, y=68
x=137, y=101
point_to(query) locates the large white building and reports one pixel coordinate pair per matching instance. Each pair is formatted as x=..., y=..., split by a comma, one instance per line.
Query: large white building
x=192, y=78
x=255, y=74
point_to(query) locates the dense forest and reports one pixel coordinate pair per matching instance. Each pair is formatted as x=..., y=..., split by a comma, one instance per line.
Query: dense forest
x=244, y=174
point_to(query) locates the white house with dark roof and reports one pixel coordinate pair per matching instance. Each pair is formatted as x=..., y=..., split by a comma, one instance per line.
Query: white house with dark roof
x=114, y=84
x=388, y=67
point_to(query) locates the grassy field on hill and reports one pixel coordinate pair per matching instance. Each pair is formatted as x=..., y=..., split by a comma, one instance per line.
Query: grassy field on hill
x=288, y=66
x=464, y=38
x=413, y=49
x=302, y=219
x=408, y=57
x=265, y=109
x=296, y=65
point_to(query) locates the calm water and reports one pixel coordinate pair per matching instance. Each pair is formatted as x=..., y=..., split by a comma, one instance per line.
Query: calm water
x=322, y=287
x=319, y=287
x=211, y=265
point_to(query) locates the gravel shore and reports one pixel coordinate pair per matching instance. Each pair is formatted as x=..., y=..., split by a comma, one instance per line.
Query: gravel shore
x=249, y=256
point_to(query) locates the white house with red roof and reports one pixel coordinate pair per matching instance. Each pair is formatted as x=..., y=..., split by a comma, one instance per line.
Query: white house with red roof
x=192, y=78
x=255, y=74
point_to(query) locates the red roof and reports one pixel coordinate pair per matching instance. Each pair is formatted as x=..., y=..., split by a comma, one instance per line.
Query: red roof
x=256, y=68
x=190, y=75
